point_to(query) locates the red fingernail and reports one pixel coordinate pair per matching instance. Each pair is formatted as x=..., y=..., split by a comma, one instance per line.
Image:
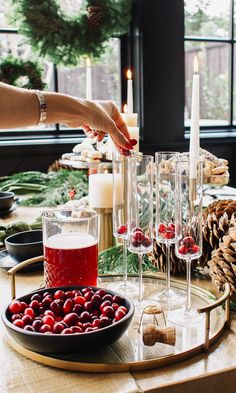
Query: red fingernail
x=133, y=142
x=124, y=152
x=128, y=146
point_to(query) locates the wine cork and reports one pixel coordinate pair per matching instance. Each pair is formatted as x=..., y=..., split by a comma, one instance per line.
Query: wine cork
x=162, y=334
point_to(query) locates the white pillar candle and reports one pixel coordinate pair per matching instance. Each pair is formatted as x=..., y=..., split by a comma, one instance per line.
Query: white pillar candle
x=194, y=130
x=134, y=133
x=101, y=190
x=118, y=187
x=130, y=103
x=131, y=119
x=88, y=79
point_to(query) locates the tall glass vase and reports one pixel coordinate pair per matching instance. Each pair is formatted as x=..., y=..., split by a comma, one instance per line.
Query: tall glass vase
x=188, y=223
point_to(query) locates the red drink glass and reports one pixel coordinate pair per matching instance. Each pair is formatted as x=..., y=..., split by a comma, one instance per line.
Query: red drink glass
x=70, y=248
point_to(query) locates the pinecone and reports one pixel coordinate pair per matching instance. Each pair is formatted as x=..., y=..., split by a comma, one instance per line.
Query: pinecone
x=217, y=218
x=95, y=15
x=223, y=262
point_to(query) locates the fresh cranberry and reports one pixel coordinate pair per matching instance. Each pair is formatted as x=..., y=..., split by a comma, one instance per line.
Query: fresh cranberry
x=36, y=296
x=105, y=321
x=77, y=309
x=86, y=325
x=15, y=307
x=48, y=320
x=55, y=308
x=123, y=308
x=117, y=299
x=76, y=329
x=59, y=294
x=68, y=306
x=34, y=304
x=95, y=313
x=108, y=311
x=137, y=229
x=119, y=314
x=59, y=302
x=71, y=319
x=76, y=292
x=46, y=302
x=29, y=328
x=29, y=311
x=96, y=300
x=138, y=237
x=188, y=241
x=79, y=300
x=19, y=323
x=67, y=331
x=171, y=227
x=89, y=329
x=88, y=295
x=85, y=316
x=107, y=297
x=69, y=294
x=80, y=324
x=45, y=328
x=88, y=289
x=115, y=306
x=122, y=229
x=58, y=318
x=15, y=316
x=27, y=320
x=101, y=292
x=58, y=328
x=46, y=294
x=146, y=241
x=183, y=250
x=37, y=324
x=162, y=228
x=24, y=305
x=96, y=323
x=195, y=248
x=41, y=311
x=49, y=312
x=103, y=304
x=88, y=306
x=169, y=234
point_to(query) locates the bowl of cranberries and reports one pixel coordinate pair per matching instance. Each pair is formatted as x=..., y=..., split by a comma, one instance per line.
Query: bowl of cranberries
x=68, y=320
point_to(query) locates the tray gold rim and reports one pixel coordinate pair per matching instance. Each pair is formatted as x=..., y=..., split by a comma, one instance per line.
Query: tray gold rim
x=137, y=365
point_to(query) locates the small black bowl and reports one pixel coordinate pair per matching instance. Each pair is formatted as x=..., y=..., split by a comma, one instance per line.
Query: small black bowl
x=25, y=245
x=68, y=343
x=6, y=200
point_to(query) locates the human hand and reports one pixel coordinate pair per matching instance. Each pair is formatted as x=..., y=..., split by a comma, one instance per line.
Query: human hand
x=103, y=117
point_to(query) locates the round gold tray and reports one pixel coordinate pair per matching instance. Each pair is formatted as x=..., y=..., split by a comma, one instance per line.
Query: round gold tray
x=129, y=353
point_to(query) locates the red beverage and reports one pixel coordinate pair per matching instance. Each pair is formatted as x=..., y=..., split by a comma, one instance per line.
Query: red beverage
x=71, y=259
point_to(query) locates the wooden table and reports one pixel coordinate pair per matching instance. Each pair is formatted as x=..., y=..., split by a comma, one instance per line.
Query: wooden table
x=214, y=372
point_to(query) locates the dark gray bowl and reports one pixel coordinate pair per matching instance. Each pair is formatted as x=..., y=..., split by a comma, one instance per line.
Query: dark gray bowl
x=25, y=245
x=6, y=200
x=68, y=343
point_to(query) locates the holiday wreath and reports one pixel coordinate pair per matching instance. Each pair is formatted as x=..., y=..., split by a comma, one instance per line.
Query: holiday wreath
x=18, y=72
x=66, y=39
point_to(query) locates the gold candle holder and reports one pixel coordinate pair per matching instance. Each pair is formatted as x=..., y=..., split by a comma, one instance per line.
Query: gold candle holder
x=105, y=231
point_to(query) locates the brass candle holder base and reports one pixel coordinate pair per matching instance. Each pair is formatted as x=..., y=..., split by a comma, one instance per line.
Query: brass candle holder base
x=105, y=230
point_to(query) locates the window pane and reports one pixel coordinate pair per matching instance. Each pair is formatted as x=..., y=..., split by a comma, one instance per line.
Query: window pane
x=209, y=18
x=105, y=76
x=234, y=88
x=4, y=11
x=214, y=69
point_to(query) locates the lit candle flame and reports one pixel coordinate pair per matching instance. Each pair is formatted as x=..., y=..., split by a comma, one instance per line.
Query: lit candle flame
x=129, y=74
x=88, y=62
x=125, y=109
x=195, y=65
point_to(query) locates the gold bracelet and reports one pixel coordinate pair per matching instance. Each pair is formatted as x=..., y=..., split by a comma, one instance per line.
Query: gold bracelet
x=42, y=107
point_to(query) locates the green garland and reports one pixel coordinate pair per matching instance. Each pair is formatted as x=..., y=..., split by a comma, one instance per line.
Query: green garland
x=65, y=40
x=11, y=69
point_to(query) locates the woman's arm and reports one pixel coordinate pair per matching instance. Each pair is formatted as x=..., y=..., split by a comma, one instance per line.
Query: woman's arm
x=20, y=108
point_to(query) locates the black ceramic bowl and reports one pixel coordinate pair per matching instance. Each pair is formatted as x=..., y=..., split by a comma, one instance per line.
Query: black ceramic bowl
x=6, y=200
x=24, y=245
x=68, y=343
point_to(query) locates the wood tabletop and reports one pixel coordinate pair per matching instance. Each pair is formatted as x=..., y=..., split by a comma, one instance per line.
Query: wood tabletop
x=214, y=371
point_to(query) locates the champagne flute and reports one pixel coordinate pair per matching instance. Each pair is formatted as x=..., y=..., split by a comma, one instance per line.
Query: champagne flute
x=120, y=217
x=140, y=208
x=188, y=226
x=165, y=220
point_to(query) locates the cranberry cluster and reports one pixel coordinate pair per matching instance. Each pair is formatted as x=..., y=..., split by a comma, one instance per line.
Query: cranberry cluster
x=122, y=230
x=74, y=311
x=166, y=231
x=140, y=239
x=188, y=246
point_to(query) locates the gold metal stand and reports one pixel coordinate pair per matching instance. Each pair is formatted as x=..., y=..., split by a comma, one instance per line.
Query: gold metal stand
x=105, y=231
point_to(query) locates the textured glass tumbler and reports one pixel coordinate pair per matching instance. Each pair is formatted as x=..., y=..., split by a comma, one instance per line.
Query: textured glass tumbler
x=70, y=240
